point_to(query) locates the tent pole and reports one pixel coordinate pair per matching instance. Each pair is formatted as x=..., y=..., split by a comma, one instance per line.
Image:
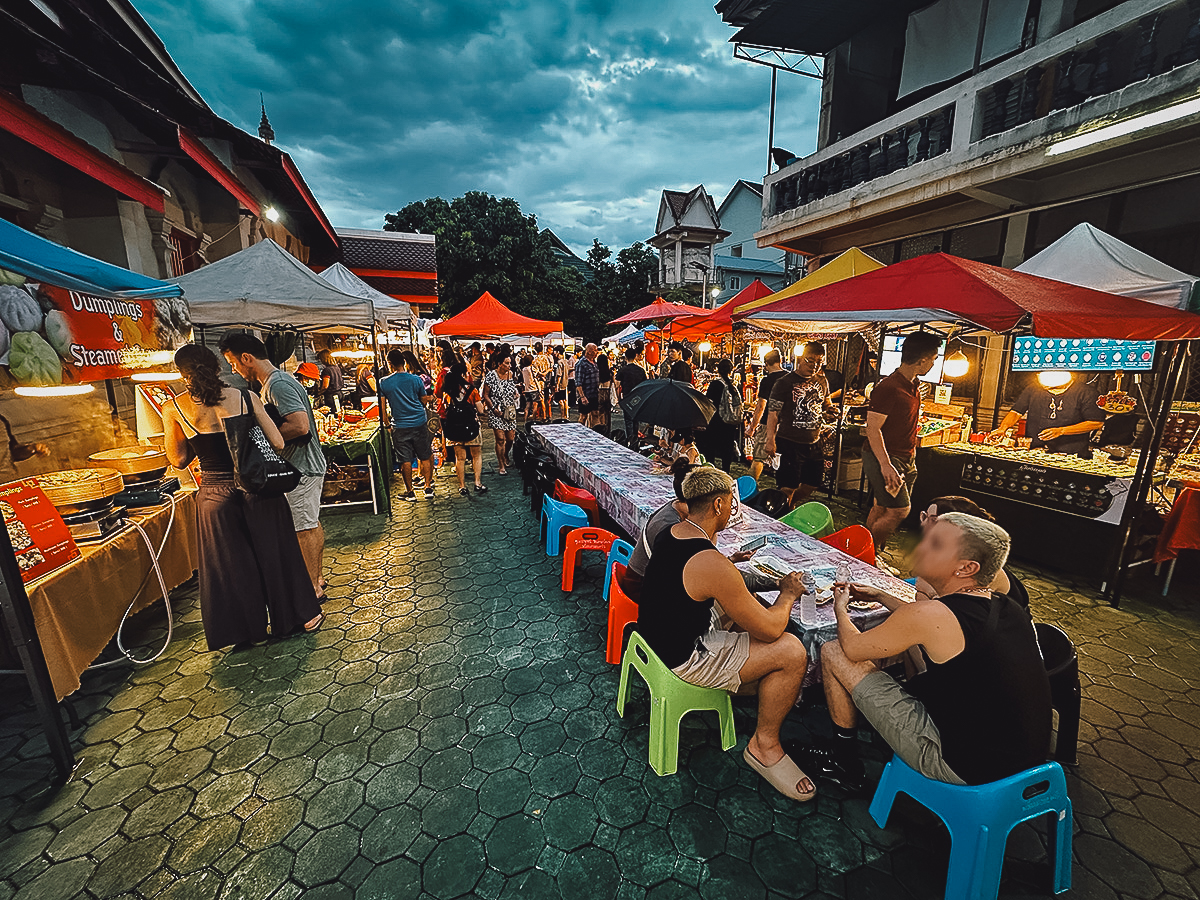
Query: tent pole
x=837, y=441
x=1139, y=490
x=1002, y=380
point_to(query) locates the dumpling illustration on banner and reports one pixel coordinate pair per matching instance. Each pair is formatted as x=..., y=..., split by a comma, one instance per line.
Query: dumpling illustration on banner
x=50, y=335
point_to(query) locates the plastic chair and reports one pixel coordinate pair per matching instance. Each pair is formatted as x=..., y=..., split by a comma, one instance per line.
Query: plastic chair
x=582, y=539
x=979, y=819
x=747, y=488
x=585, y=500
x=771, y=503
x=621, y=611
x=620, y=551
x=813, y=518
x=671, y=698
x=557, y=516
x=855, y=541
x=1062, y=668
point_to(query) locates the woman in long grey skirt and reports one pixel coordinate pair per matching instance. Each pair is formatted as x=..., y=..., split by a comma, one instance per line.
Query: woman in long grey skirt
x=252, y=574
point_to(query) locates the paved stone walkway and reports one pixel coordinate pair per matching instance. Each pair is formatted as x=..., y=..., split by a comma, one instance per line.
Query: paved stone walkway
x=451, y=732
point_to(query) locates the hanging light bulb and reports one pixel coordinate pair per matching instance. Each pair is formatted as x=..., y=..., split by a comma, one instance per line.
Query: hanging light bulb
x=1054, y=378
x=704, y=347
x=956, y=365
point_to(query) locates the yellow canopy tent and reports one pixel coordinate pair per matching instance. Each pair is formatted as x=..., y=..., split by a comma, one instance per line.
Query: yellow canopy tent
x=847, y=265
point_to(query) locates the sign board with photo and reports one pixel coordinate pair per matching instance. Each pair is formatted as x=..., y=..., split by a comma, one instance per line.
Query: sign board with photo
x=39, y=537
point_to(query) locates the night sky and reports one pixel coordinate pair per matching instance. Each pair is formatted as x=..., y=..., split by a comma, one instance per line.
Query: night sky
x=583, y=111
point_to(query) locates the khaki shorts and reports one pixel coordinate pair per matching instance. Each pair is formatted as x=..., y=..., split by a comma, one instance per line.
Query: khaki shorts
x=305, y=502
x=907, y=468
x=902, y=720
x=718, y=658
x=758, y=444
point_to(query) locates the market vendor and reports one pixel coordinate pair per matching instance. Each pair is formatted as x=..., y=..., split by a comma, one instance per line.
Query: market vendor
x=1060, y=414
x=14, y=451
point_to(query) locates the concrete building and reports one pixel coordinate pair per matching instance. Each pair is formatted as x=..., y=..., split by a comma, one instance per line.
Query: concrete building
x=107, y=148
x=738, y=258
x=686, y=232
x=396, y=263
x=988, y=129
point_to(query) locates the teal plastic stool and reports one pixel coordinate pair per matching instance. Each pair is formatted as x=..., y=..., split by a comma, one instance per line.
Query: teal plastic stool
x=555, y=517
x=813, y=518
x=747, y=488
x=671, y=698
x=980, y=817
x=620, y=552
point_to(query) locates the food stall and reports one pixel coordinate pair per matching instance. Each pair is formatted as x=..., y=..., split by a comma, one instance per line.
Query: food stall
x=962, y=298
x=90, y=539
x=264, y=286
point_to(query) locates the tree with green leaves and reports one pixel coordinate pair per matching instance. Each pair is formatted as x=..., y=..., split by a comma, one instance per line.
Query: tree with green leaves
x=486, y=243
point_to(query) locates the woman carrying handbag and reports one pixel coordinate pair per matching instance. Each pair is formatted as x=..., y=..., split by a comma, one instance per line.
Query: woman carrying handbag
x=252, y=573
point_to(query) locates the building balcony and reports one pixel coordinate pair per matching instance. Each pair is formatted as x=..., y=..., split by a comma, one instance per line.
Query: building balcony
x=985, y=143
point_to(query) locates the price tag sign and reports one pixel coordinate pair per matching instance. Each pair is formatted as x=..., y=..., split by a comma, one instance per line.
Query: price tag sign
x=39, y=536
x=1034, y=354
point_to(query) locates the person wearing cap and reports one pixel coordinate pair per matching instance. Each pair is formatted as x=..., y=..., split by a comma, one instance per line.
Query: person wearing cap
x=689, y=589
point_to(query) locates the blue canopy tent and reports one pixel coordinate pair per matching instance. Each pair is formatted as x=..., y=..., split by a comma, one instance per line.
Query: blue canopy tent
x=35, y=257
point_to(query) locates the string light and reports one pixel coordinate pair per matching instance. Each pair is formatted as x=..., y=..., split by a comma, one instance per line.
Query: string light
x=55, y=390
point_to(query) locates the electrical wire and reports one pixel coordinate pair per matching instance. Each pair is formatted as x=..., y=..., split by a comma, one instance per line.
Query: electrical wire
x=156, y=570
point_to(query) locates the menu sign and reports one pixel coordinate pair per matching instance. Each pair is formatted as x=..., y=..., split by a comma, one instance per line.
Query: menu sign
x=40, y=539
x=50, y=335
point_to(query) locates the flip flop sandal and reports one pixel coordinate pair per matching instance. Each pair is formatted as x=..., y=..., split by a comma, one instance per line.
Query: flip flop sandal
x=783, y=776
x=310, y=629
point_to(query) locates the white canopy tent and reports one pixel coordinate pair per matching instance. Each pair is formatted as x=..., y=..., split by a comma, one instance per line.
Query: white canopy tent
x=266, y=285
x=397, y=312
x=1088, y=257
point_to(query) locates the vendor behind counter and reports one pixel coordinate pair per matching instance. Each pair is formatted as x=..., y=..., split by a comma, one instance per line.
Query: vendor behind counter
x=1059, y=419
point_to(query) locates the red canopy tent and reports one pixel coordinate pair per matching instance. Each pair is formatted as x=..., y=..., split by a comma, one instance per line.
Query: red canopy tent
x=720, y=320
x=488, y=317
x=939, y=287
x=660, y=311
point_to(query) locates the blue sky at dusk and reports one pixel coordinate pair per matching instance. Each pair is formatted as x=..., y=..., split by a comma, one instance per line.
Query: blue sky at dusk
x=583, y=110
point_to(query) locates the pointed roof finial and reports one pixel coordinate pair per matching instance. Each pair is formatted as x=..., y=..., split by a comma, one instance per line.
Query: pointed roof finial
x=265, y=131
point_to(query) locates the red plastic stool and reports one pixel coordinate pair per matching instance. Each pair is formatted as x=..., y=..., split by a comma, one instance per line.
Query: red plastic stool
x=585, y=500
x=621, y=611
x=582, y=539
x=855, y=541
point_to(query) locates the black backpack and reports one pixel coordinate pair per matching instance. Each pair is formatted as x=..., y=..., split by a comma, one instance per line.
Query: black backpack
x=460, y=424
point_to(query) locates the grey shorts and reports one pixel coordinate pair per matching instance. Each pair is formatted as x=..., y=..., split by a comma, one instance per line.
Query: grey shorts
x=906, y=466
x=718, y=658
x=902, y=721
x=758, y=444
x=412, y=443
x=305, y=502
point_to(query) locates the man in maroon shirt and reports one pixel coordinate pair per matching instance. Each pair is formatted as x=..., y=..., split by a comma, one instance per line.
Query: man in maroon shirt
x=889, y=459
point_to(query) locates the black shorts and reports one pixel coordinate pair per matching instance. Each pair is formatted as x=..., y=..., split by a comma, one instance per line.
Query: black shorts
x=800, y=464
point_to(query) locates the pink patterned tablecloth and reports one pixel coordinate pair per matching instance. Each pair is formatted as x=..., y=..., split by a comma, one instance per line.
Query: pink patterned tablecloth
x=625, y=488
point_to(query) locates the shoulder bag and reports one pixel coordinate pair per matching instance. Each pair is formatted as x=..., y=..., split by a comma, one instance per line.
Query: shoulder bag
x=257, y=468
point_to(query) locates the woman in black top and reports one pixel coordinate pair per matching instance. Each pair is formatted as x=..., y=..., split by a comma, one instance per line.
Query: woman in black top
x=720, y=437
x=251, y=568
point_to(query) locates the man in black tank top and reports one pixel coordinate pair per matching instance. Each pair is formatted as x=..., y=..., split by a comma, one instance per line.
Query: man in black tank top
x=981, y=711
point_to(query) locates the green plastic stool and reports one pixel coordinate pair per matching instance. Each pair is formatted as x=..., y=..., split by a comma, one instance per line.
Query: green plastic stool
x=671, y=698
x=813, y=518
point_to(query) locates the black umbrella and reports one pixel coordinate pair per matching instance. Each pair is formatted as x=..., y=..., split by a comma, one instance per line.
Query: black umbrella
x=670, y=404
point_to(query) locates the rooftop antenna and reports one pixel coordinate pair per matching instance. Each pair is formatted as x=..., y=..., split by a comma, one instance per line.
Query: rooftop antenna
x=265, y=131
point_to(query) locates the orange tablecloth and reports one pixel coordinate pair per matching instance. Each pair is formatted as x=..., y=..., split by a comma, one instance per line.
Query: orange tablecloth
x=77, y=608
x=1181, y=531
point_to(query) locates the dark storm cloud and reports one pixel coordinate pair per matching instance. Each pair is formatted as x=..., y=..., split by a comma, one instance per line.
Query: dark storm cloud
x=583, y=111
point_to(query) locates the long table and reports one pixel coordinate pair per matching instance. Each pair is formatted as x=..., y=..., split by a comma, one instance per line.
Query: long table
x=625, y=488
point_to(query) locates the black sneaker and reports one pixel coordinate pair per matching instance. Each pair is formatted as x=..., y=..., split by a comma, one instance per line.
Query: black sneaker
x=419, y=481
x=821, y=762
x=409, y=497
x=428, y=493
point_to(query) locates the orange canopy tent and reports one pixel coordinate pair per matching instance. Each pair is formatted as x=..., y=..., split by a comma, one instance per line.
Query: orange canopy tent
x=488, y=317
x=660, y=311
x=720, y=320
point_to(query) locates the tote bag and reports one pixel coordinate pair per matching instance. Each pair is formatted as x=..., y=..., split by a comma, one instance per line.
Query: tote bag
x=257, y=468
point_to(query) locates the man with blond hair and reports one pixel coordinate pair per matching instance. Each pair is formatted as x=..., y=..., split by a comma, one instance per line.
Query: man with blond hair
x=689, y=591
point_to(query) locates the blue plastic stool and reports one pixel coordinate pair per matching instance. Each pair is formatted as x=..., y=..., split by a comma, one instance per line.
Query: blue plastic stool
x=980, y=817
x=620, y=551
x=555, y=517
x=747, y=488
